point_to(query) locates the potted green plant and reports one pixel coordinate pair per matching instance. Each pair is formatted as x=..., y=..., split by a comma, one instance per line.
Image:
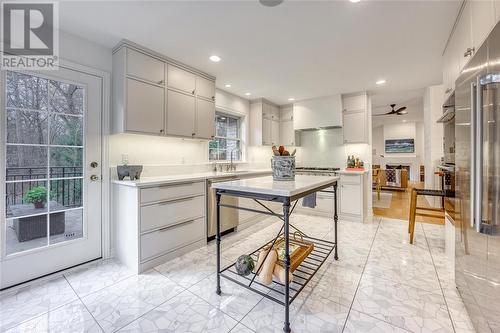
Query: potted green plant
x=37, y=196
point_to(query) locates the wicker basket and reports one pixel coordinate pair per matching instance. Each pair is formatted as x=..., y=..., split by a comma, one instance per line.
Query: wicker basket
x=297, y=255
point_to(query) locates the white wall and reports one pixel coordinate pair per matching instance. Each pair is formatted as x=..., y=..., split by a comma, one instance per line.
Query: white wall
x=433, y=132
x=411, y=130
x=84, y=52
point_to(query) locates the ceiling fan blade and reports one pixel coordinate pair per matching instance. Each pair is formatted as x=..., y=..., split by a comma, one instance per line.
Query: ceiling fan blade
x=382, y=114
x=402, y=112
x=401, y=109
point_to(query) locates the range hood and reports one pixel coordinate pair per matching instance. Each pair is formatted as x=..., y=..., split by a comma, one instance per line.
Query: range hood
x=318, y=113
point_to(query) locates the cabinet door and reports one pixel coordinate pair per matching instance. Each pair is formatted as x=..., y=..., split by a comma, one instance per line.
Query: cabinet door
x=275, y=132
x=145, y=107
x=351, y=103
x=286, y=113
x=181, y=79
x=275, y=112
x=266, y=132
x=354, y=129
x=463, y=34
x=287, y=134
x=145, y=67
x=482, y=16
x=266, y=111
x=205, y=119
x=180, y=113
x=350, y=199
x=205, y=88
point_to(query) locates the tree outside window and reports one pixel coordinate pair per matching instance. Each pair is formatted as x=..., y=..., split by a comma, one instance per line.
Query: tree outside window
x=227, y=139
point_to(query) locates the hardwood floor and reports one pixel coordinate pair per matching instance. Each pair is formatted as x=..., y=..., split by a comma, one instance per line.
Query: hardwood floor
x=396, y=204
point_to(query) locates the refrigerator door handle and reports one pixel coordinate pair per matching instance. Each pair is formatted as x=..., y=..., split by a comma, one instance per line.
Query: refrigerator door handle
x=472, y=180
x=478, y=156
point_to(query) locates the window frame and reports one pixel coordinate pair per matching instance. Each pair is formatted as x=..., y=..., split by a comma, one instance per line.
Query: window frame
x=238, y=119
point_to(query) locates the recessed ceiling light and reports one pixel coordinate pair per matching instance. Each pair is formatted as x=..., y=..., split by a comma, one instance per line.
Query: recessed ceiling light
x=247, y=94
x=291, y=99
x=214, y=58
x=379, y=82
x=227, y=85
x=354, y=1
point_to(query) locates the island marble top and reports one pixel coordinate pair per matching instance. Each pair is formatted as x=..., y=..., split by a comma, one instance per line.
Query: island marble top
x=268, y=186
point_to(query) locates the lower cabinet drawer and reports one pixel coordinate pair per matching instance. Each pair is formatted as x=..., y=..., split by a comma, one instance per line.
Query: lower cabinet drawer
x=324, y=204
x=170, y=238
x=169, y=212
x=350, y=179
x=161, y=193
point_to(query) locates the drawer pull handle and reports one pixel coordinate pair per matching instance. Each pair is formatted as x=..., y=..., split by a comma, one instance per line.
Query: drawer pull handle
x=175, y=225
x=175, y=201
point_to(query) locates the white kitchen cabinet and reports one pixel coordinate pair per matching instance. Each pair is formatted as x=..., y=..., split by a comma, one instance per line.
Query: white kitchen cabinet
x=181, y=114
x=354, y=129
x=482, y=21
x=145, y=107
x=353, y=103
x=205, y=119
x=287, y=133
x=267, y=139
x=286, y=113
x=463, y=31
x=354, y=190
x=145, y=67
x=324, y=112
x=324, y=205
x=181, y=79
x=154, y=95
x=264, y=123
x=451, y=64
x=275, y=133
x=205, y=88
x=157, y=223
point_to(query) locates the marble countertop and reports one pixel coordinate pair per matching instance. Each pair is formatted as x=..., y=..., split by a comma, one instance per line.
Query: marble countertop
x=172, y=179
x=268, y=186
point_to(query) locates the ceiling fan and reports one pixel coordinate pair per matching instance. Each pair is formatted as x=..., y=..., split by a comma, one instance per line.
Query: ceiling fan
x=399, y=112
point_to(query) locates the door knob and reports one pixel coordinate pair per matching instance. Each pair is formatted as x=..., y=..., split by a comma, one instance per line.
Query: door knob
x=94, y=178
x=94, y=164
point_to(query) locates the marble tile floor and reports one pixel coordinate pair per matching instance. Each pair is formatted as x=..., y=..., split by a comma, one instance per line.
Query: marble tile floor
x=379, y=284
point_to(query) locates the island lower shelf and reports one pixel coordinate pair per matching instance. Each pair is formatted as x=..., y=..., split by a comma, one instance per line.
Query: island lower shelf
x=301, y=276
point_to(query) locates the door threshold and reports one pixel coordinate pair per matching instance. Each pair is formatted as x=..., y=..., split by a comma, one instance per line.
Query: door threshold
x=49, y=276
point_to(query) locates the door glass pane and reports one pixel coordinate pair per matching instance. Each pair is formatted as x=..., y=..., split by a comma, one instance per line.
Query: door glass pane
x=65, y=193
x=26, y=91
x=65, y=98
x=26, y=127
x=66, y=130
x=66, y=157
x=44, y=161
x=26, y=207
x=27, y=162
x=66, y=225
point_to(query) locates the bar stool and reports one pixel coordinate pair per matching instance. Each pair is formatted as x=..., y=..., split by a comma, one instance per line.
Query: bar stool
x=413, y=208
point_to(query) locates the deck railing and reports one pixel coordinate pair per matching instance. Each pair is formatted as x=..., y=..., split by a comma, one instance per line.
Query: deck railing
x=64, y=188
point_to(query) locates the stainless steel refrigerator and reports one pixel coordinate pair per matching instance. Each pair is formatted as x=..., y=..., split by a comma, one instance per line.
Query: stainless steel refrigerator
x=477, y=201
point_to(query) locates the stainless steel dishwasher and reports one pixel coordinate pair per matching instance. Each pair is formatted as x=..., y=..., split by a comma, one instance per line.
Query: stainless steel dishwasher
x=228, y=217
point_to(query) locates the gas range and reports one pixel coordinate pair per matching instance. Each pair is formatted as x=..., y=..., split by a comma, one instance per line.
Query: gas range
x=316, y=171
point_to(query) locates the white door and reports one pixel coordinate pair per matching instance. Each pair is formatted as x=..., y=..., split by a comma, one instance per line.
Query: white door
x=51, y=170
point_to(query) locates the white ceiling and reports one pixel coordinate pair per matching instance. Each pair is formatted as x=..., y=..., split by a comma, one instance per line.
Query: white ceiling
x=300, y=49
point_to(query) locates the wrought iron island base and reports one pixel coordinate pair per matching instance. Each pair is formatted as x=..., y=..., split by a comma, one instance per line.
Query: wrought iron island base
x=280, y=293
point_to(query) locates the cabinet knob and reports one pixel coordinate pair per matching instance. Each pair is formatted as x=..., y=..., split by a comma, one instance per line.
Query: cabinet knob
x=161, y=131
x=213, y=98
x=160, y=82
x=193, y=134
x=192, y=92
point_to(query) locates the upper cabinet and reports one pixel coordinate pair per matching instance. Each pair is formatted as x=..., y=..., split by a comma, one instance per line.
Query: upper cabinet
x=475, y=21
x=288, y=135
x=181, y=79
x=355, y=118
x=154, y=95
x=145, y=67
x=264, y=123
x=324, y=112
